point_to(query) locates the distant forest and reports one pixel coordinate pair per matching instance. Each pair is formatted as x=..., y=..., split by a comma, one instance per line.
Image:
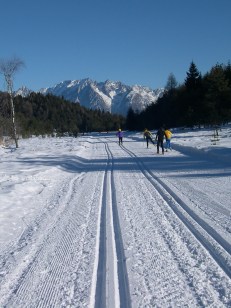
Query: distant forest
x=200, y=100
x=37, y=114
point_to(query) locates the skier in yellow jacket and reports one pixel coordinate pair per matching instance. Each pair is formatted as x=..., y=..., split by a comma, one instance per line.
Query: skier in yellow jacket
x=168, y=136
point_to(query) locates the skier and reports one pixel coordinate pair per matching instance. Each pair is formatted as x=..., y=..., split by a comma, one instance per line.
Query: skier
x=148, y=136
x=160, y=139
x=119, y=134
x=168, y=136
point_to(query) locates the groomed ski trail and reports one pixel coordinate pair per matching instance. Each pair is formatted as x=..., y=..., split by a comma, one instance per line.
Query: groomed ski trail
x=118, y=206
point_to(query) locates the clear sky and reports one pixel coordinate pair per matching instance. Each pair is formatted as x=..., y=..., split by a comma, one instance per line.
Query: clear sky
x=132, y=41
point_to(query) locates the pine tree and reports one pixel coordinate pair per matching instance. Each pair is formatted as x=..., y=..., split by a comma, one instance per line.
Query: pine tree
x=171, y=82
x=193, y=79
x=131, y=120
x=228, y=72
x=193, y=96
x=218, y=95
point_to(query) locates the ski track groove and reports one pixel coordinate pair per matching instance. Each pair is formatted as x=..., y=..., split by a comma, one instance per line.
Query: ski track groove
x=124, y=290
x=205, y=234
x=100, y=289
x=124, y=293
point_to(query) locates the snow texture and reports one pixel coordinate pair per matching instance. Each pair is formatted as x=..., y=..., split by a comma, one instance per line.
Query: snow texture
x=84, y=220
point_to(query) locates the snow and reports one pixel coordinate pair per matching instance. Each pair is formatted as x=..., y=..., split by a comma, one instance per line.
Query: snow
x=112, y=94
x=107, y=100
x=164, y=221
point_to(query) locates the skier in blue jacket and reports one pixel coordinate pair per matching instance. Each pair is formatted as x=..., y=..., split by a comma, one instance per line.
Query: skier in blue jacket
x=120, y=135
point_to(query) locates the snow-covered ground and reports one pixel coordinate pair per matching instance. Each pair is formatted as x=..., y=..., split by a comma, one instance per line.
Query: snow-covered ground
x=85, y=222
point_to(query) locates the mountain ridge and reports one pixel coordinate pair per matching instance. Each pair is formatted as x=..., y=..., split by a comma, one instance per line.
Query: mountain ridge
x=110, y=96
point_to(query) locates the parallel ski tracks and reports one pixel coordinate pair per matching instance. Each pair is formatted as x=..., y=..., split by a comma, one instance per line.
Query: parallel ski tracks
x=100, y=290
x=217, y=246
x=109, y=191
x=125, y=300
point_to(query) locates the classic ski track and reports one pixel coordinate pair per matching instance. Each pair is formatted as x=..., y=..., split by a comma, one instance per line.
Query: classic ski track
x=218, y=247
x=61, y=236
x=100, y=289
x=123, y=285
x=124, y=290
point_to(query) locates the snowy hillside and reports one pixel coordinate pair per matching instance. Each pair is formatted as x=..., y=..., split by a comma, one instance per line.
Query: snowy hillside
x=110, y=96
x=87, y=223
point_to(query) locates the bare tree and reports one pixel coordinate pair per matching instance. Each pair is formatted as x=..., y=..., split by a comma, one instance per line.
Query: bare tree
x=8, y=68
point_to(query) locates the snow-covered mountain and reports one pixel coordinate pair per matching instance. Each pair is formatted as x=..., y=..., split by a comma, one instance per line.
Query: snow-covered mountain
x=111, y=96
x=23, y=91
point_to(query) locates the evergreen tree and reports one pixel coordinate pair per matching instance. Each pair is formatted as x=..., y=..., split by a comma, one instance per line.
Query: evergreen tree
x=131, y=120
x=193, y=79
x=193, y=96
x=171, y=82
x=218, y=95
x=227, y=72
x=198, y=101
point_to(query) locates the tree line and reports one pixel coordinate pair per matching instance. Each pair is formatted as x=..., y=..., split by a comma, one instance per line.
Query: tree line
x=200, y=100
x=37, y=114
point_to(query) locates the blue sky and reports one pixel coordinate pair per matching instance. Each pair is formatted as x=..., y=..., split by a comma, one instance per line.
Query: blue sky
x=132, y=41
